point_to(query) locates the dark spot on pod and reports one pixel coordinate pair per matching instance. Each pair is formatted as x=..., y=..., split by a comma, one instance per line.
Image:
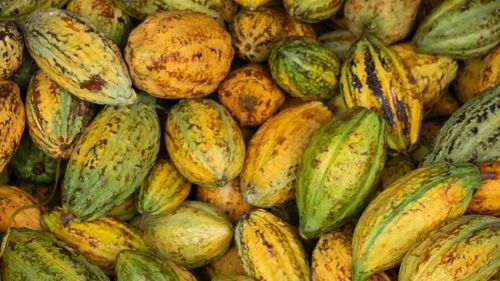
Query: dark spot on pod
x=38, y=168
x=94, y=84
x=315, y=163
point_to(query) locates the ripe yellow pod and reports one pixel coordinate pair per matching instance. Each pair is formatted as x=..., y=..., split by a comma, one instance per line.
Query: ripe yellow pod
x=228, y=264
x=466, y=84
x=11, y=199
x=11, y=48
x=13, y=120
x=254, y=4
x=486, y=201
x=490, y=71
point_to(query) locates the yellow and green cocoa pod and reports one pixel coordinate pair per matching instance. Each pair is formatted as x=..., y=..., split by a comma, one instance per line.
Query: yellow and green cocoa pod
x=466, y=84
x=228, y=198
x=462, y=249
x=270, y=249
x=13, y=120
x=136, y=265
x=126, y=210
x=163, y=190
x=194, y=235
x=26, y=70
x=11, y=48
x=486, y=201
x=182, y=272
x=31, y=256
x=254, y=4
x=54, y=116
x=106, y=16
x=375, y=77
x=17, y=9
x=389, y=20
x=396, y=168
x=13, y=198
x=312, y=11
x=231, y=278
x=228, y=264
x=204, y=142
x=411, y=207
x=305, y=68
x=433, y=73
x=428, y=134
x=168, y=60
x=251, y=95
x=338, y=41
x=281, y=140
x=460, y=28
x=426, y=7
x=444, y=106
x=100, y=241
x=112, y=158
x=332, y=258
x=339, y=170
x=78, y=57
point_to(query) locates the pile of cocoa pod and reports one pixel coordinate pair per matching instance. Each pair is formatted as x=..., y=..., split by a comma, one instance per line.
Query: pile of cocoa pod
x=264, y=140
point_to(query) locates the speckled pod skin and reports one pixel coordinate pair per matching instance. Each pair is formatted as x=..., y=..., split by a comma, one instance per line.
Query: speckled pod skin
x=411, y=207
x=463, y=249
x=78, y=57
x=339, y=170
x=471, y=133
x=13, y=121
x=99, y=241
x=194, y=235
x=228, y=264
x=33, y=256
x=11, y=199
x=338, y=41
x=460, y=28
x=111, y=159
x=16, y=9
x=55, y=117
x=375, y=77
x=11, y=48
x=232, y=278
x=254, y=4
x=204, y=142
x=126, y=210
x=312, y=10
x=174, y=55
x=135, y=265
x=486, y=201
x=490, y=71
x=281, y=140
x=270, y=249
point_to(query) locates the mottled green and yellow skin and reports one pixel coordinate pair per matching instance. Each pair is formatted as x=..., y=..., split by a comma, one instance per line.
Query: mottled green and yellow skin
x=195, y=234
x=204, y=142
x=34, y=256
x=111, y=159
x=99, y=241
x=270, y=249
x=13, y=119
x=461, y=29
x=281, y=140
x=471, y=133
x=163, y=190
x=55, y=117
x=135, y=266
x=11, y=48
x=338, y=41
x=16, y=9
x=411, y=207
x=463, y=249
x=254, y=4
x=232, y=278
x=375, y=77
x=78, y=57
x=339, y=170
x=312, y=10
x=126, y=210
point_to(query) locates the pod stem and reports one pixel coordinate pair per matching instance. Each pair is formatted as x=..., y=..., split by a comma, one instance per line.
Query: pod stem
x=144, y=216
x=488, y=175
x=66, y=218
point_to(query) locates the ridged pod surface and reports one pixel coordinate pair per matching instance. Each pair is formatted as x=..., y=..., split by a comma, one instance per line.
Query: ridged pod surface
x=338, y=41
x=111, y=159
x=281, y=140
x=411, y=207
x=194, y=235
x=254, y=4
x=11, y=199
x=178, y=54
x=135, y=265
x=490, y=71
x=13, y=119
x=463, y=249
x=471, y=133
x=231, y=278
x=375, y=77
x=312, y=10
x=460, y=28
x=16, y=9
x=304, y=68
x=394, y=169
x=228, y=264
x=11, y=48
x=339, y=170
x=126, y=210
x=270, y=249
x=251, y=95
x=31, y=256
x=99, y=241
x=486, y=201
x=55, y=117
x=183, y=273
x=204, y=142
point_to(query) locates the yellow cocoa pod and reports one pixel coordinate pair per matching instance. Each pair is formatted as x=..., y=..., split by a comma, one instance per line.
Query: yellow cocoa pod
x=254, y=4
x=11, y=49
x=490, y=71
x=12, y=119
x=466, y=84
x=486, y=201
x=444, y=107
x=395, y=168
x=228, y=264
x=13, y=198
x=126, y=210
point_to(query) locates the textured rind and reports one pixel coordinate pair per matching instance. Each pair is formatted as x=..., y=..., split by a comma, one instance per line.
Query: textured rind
x=55, y=118
x=466, y=84
x=312, y=10
x=126, y=210
x=270, y=249
x=12, y=198
x=33, y=256
x=338, y=41
x=463, y=249
x=228, y=264
x=339, y=170
x=471, y=133
x=254, y=4
x=231, y=278
x=135, y=265
x=78, y=57
x=163, y=190
x=411, y=207
x=204, y=142
x=395, y=168
x=178, y=54
x=490, y=71
x=12, y=120
x=375, y=77
x=460, y=28
x=11, y=48
x=195, y=234
x=183, y=273
x=251, y=95
x=16, y=9
x=111, y=159
x=304, y=68
x=486, y=201
x=281, y=140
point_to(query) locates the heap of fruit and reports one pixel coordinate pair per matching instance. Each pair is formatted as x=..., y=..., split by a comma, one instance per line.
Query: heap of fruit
x=262, y=140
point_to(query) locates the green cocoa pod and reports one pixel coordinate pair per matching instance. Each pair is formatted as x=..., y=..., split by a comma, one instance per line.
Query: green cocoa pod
x=17, y=9
x=134, y=265
x=312, y=10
